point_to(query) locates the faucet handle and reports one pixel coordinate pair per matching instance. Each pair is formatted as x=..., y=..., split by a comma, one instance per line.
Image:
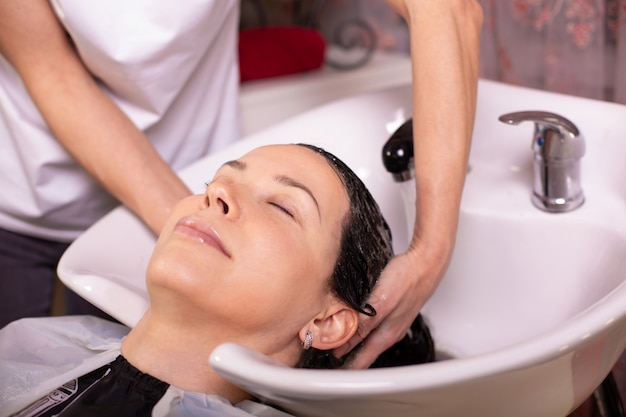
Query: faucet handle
x=544, y=119
x=556, y=137
x=558, y=147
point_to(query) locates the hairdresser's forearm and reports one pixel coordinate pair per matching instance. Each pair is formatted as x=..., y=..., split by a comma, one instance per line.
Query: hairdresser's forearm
x=445, y=50
x=87, y=123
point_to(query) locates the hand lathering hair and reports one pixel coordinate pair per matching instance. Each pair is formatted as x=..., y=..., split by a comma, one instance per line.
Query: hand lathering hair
x=366, y=248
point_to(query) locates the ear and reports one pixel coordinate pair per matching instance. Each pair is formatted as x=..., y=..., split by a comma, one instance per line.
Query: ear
x=333, y=327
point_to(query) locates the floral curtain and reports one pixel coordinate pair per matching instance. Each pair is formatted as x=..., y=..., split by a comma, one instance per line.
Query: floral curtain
x=568, y=46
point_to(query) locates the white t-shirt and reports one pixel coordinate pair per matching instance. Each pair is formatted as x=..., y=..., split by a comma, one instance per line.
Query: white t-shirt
x=170, y=66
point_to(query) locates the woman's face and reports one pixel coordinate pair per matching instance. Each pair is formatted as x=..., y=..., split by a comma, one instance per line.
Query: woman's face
x=255, y=252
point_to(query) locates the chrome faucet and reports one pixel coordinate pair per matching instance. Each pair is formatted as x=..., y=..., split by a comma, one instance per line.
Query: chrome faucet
x=558, y=147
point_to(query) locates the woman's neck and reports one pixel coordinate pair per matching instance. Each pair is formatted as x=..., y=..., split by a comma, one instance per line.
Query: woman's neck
x=178, y=354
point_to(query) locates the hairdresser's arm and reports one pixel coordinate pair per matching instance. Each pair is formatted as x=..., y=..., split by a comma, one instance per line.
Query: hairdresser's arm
x=445, y=53
x=84, y=120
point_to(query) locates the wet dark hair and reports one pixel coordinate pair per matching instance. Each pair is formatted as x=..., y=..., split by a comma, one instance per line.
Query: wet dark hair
x=365, y=249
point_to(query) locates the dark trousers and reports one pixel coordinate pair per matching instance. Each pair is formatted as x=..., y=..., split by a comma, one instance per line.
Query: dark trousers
x=27, y=279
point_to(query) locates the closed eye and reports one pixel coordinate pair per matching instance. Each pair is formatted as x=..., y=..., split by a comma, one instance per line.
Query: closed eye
x=282, y=208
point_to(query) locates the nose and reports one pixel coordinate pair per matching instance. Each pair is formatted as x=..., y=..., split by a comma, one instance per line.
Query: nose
x=221, y=197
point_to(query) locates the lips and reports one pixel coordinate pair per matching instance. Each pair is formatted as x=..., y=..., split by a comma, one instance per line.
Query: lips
x=201, y=232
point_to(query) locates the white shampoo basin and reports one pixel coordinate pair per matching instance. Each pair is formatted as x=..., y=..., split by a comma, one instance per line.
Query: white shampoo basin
x=532, y=309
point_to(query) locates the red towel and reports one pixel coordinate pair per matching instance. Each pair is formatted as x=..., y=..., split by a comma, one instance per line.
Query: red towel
x=274, y=51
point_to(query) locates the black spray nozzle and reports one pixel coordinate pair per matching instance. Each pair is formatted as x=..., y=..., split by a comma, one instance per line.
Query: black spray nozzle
x=398, y=152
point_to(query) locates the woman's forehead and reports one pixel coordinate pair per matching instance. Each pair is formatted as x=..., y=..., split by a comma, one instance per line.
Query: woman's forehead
x=279, y=151
x=298, y=159
x=306, y=165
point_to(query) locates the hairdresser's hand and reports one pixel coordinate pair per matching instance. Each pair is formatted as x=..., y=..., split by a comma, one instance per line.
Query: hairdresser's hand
x=404, y=286
x=445, y=35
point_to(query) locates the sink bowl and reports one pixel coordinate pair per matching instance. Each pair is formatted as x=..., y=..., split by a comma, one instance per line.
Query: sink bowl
x=531, y=315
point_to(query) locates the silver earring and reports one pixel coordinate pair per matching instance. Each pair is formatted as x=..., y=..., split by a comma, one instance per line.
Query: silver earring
x=308, y=340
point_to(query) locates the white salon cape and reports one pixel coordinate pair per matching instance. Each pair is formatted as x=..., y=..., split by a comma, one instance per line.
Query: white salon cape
x=171, y=66
x=38, y=355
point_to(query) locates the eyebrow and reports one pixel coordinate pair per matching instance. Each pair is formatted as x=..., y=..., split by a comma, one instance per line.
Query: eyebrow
x=235, y=164
x=290, y=182
x=282, y=179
